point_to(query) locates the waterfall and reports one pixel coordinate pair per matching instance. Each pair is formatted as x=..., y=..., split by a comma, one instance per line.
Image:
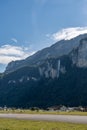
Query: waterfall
x=58, y=68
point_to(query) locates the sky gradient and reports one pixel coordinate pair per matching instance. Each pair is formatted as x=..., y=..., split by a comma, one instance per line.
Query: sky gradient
x=27, y=26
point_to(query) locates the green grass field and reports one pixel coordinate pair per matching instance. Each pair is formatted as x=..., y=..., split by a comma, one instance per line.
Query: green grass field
x=14, y=124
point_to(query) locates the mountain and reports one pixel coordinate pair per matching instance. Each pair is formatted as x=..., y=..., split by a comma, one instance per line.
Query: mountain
x=58, y=49
x=43, y=80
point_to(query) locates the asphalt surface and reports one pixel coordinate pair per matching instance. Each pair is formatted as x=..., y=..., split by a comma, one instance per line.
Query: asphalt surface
x=42, y=117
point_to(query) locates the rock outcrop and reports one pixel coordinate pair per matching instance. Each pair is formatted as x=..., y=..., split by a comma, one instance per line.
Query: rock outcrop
x=79, y=55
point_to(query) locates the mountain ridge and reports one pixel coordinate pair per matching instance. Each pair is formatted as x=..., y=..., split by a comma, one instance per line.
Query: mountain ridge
x=58, y=49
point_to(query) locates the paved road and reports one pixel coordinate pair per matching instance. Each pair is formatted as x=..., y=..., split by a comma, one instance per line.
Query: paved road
x=38, y=117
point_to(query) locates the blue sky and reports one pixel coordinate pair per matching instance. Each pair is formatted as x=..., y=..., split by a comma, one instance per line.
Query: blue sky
x=27, y=26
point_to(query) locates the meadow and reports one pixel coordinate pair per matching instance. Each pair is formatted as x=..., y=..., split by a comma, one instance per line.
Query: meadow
x=14, y=124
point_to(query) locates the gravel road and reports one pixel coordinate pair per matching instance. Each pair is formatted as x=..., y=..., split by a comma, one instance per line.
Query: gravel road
x=42, y=117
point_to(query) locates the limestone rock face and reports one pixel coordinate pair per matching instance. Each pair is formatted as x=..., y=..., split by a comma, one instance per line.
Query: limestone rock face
x=49, y=70
x=79, y=55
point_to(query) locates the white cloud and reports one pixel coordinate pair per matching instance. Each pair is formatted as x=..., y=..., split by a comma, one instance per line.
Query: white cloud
x=68, y=33
x=14, y=40
x=11, y=53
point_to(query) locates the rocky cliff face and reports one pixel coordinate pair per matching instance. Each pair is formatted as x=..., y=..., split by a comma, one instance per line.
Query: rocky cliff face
x=79, y=55
x=50, y=71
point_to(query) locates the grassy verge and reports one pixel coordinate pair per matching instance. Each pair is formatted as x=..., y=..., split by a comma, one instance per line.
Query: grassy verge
x=14, y=124
x=45, y=112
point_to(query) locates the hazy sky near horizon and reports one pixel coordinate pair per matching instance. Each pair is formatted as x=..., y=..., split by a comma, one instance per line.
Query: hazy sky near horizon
x=27, y=26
